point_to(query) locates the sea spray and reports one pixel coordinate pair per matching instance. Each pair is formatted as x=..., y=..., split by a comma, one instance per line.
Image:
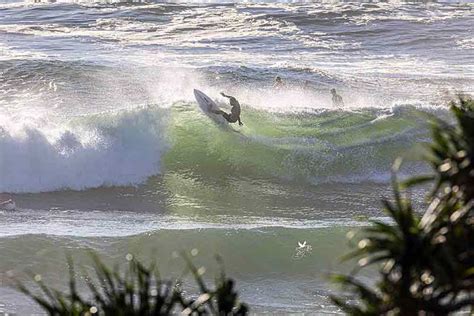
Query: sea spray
x=101, y=150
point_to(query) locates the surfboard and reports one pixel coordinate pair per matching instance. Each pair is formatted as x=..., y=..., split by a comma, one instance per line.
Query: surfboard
x=8, y=205
x=206, y=104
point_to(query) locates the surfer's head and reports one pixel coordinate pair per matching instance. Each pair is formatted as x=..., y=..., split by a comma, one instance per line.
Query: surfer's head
x=333, y=91
x=278, y=79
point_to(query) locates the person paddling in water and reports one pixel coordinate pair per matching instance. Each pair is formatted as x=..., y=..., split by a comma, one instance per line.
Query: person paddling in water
x=234, y=114
x=336, y=99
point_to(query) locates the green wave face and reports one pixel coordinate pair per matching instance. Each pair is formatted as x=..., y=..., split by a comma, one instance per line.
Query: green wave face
x=312, y=147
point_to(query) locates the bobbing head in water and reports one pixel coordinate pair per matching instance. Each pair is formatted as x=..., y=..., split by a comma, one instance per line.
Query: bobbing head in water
x=278, y=82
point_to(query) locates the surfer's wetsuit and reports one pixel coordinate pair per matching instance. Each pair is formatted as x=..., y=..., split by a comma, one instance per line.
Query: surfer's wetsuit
x=336, y=99
x=234, y=114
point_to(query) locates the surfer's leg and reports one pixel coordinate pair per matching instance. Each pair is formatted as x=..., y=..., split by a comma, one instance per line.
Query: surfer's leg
x=228, y=117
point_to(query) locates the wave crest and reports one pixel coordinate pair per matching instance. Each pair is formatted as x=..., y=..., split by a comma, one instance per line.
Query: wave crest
x=102, y=150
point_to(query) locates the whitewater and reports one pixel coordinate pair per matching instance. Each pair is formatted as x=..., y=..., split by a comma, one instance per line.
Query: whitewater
x=103, y=146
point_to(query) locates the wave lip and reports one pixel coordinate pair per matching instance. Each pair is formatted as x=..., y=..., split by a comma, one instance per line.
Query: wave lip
x=103, y=150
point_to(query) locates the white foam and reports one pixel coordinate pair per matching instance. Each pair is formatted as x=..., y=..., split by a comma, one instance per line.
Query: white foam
x=109, y=149
x=11, y=53
x=121, y=224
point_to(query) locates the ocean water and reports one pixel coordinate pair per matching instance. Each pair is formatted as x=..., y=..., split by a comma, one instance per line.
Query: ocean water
x=103, y=146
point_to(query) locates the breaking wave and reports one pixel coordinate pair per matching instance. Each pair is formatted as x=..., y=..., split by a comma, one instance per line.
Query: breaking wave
x=126, y=147
x=104, y=149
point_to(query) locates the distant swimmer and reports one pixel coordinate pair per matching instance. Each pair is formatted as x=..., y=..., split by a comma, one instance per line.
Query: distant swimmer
x=307, y=85
x=234, y=114
x=336, y=98
x=278, y=83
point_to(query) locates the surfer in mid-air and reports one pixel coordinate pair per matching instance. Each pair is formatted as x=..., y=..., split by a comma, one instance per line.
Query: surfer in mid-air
x=234, y=114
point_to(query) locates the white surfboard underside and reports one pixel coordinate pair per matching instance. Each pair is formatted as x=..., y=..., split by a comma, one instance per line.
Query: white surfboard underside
x=205, y=103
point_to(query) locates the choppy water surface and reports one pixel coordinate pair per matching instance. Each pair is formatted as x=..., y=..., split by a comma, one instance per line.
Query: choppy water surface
x=102, y=144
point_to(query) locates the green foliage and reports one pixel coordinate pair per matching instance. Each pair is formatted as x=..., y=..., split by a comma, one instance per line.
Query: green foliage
x=452, y=151
x=425, y=258
x=138, y=291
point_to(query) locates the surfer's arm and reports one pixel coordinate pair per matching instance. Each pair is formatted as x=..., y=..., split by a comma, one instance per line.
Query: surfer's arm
x=225, y=95
x=240, y=122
